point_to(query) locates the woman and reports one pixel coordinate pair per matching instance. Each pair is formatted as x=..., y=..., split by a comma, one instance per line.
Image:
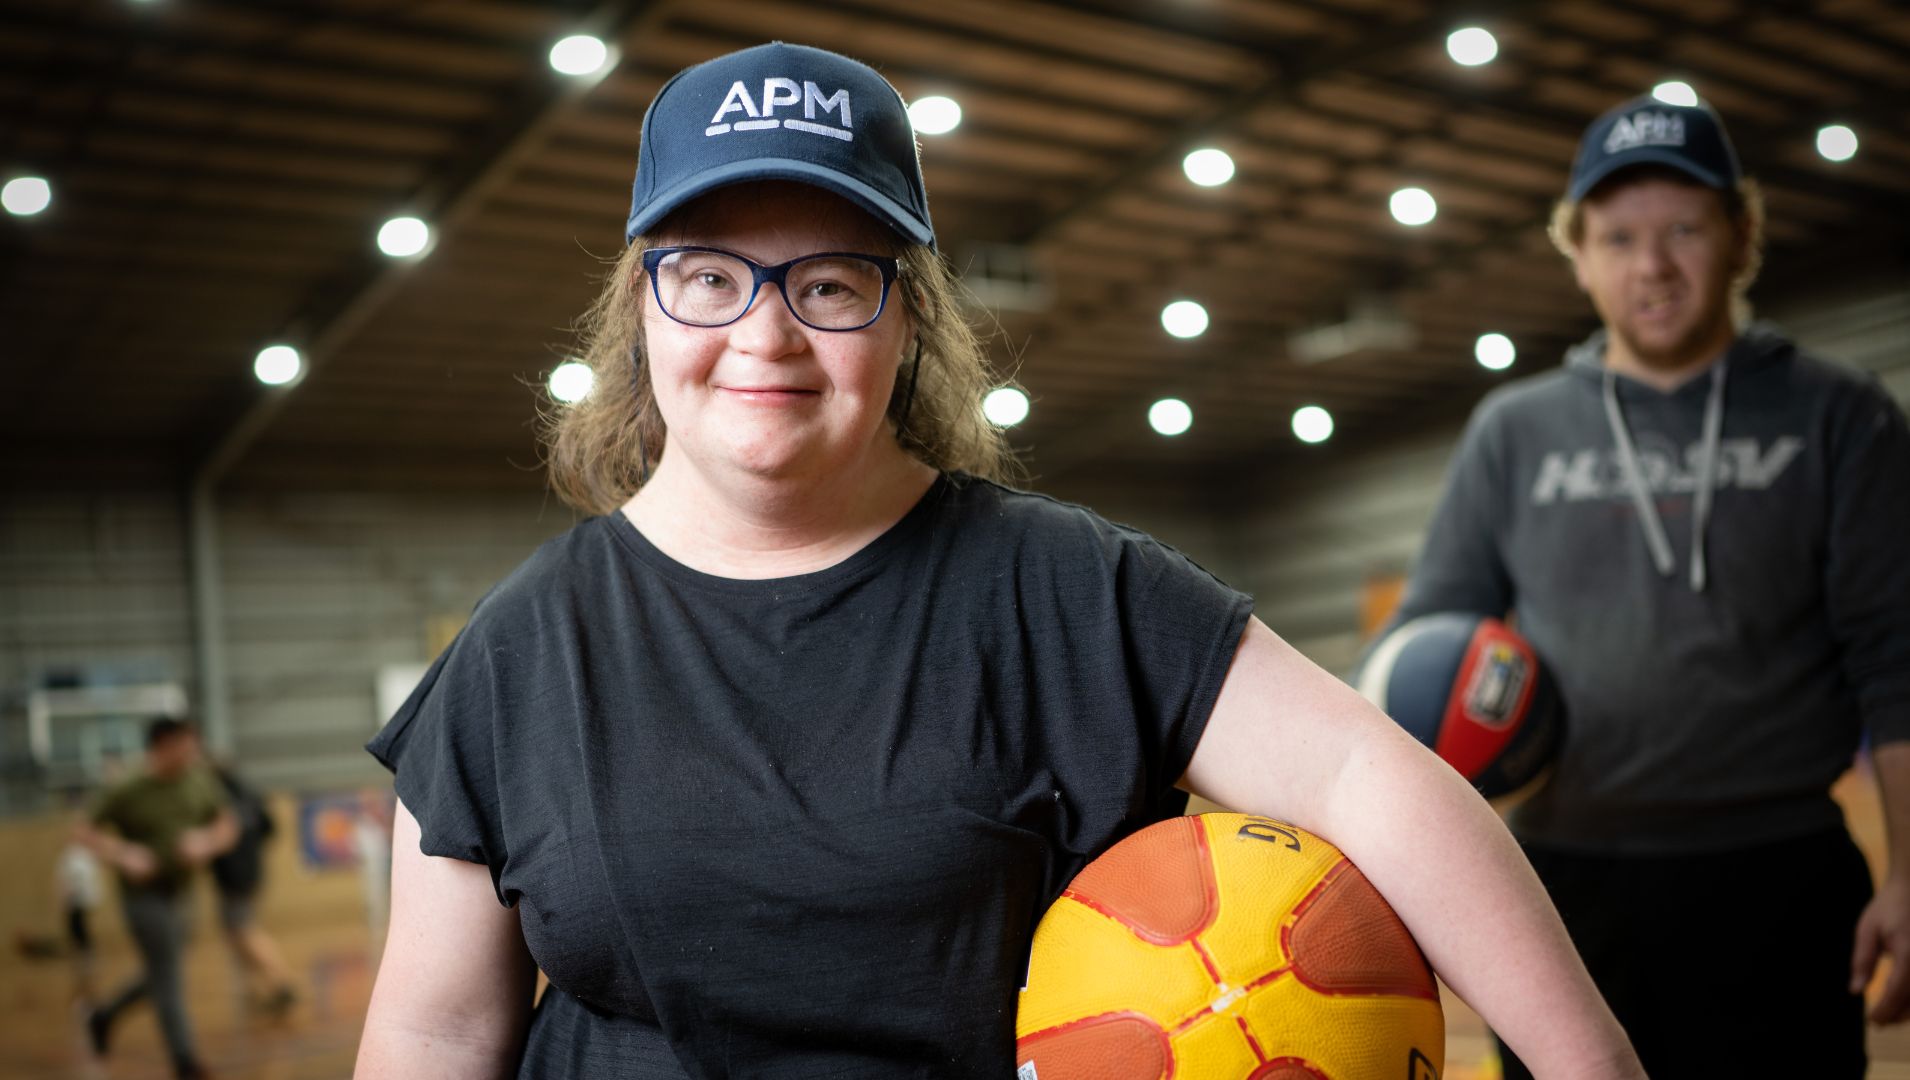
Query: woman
x=778, y=762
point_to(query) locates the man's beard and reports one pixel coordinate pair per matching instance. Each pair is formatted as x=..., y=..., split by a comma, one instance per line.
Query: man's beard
x=1694, y=345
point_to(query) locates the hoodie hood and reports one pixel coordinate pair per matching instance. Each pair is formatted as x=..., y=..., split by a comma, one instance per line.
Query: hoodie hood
x=1758, y=346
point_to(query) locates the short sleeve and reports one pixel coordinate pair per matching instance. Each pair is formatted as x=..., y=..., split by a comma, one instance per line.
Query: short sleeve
x=440, y=749
x=1128, y=642
x=1180, y=626
x=210, y=795
x=105, y=809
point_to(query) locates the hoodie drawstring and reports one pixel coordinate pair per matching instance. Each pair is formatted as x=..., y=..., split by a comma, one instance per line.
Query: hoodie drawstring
x=1707, y=473
x=1649, y=522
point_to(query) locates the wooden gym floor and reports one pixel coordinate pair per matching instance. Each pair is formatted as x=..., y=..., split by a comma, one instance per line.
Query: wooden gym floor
x=318, y=919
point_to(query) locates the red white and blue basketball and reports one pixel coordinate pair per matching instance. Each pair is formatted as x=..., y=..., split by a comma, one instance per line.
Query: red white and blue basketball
x=1473, y=691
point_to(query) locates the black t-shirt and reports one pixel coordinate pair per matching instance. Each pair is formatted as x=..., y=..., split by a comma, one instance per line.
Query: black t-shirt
x=241, y=870
x=805, y=826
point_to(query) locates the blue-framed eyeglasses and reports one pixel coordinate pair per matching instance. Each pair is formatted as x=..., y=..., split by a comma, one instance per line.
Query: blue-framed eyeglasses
x=831, y=290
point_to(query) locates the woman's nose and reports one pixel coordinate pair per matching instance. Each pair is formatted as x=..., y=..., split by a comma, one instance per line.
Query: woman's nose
x=768, y=328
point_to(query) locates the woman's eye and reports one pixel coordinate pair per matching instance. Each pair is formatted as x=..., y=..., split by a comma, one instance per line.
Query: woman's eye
x=710, y=279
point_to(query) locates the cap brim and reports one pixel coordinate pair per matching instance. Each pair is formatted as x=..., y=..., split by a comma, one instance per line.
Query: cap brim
x=1644, y=155
x=890, y=212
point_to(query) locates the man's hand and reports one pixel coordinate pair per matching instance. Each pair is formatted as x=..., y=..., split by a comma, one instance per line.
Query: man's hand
x=199, y=846
x=136, y=861
x=1885, y=928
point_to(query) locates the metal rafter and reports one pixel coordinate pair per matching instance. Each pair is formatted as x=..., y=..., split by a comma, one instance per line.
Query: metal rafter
x=338, y=309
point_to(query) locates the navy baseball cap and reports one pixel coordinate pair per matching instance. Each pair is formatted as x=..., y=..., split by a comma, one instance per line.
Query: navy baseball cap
x=1644, y=130
x=781, y=112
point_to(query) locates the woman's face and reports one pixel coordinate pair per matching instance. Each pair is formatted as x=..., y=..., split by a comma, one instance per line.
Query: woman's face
x=767, y=396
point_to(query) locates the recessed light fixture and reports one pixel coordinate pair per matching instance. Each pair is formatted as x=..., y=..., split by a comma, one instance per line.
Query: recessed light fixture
x=1208, y=167
x=1675, y=92
x=1170, y=416
x=1312, y=424
x=1836, y=142
x=1005, y=406
x=579, y=54
x=402, y=237
x=24, y=196
x=1494, y=351
x=1472, y=46
x=1184, y=319
x=935, y=114
x=278, y=365
x=570, y=381
x=1413, y=206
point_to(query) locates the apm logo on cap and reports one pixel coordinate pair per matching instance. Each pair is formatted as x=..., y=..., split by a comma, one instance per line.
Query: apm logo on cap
x=1646, y=129
x=779, y=92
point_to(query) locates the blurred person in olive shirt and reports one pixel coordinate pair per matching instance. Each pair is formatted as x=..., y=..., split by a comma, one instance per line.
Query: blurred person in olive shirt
x=157, y=829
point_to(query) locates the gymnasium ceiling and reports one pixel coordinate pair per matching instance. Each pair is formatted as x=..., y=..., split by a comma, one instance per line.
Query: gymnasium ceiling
x=220, y=168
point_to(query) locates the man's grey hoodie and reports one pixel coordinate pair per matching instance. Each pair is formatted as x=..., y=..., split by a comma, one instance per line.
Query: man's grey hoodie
x=1718, y=577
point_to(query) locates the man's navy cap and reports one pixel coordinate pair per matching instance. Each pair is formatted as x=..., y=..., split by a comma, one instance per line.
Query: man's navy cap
x=1689, y=138
x=781, y=112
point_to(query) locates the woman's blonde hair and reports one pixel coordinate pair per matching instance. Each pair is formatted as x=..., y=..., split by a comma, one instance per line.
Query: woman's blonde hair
x=600, y=450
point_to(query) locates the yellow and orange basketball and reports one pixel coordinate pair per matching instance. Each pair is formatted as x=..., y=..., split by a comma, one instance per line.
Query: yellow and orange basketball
x=1230, y=947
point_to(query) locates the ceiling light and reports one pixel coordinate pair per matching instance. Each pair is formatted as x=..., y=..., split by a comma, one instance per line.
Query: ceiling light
x=278, y=365
x=403, y=236
x=1837, y=142
x=1472, y=46
x=1170, y=416
x=1494, y=351
x=1005, y=406
x=1675, y=92
x=1184, y=319
x=1312, y=424
x=1208, y=167
x=935, y=114
x=26, y=195
x=579, y=54
x=570, y=381
x=1413, y=206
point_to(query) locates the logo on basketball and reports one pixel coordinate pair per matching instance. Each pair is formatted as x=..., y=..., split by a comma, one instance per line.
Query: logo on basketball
x=1493, y=692
x=1473, y=691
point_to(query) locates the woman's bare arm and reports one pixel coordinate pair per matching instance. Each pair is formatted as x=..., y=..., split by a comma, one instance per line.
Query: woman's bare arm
x=1289, y=740
x=453, y=996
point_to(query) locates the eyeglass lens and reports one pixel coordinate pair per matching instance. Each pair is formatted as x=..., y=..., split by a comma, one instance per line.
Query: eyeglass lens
x=710, y=288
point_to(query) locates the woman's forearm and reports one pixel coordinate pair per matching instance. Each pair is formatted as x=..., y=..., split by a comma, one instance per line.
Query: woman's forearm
x=393, y=1049
x=1458, y=880
x=454, y=990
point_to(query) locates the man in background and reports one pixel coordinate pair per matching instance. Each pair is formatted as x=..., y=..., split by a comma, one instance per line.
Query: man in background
x=156, y=830
x=1701, y=530
x=239, y=874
